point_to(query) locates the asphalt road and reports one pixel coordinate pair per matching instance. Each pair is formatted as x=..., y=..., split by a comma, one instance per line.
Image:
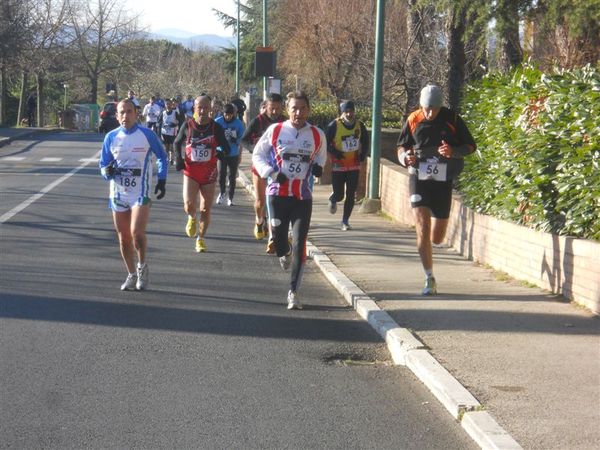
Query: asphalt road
x=208, y=357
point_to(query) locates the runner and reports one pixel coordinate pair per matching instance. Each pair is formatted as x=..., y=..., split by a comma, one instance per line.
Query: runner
x=348, y=145
x=234, y=129
x=168, y=130
x=258, y=125
x=289, y=153
x=151, y=113
x=200, y=137
x=126, y=162
x=432, y=144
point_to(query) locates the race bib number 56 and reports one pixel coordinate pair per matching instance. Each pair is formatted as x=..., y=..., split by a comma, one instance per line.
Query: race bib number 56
x=432, y=170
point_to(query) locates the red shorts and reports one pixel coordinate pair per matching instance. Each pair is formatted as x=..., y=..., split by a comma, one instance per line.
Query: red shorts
x=205, y=173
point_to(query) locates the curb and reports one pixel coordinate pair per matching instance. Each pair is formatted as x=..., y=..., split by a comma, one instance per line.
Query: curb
x=26, y=133
x=407, y=350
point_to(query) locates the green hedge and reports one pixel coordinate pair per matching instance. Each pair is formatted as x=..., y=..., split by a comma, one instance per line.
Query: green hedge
x=538, y=158
x=323, y=113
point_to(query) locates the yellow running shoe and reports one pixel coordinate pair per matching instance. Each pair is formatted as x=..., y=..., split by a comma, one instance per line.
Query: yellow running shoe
x=200, y=245
x=270, y=247
x=191, y=228
x=259, y=232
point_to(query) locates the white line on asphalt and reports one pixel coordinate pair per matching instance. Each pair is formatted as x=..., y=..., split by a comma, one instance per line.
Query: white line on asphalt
x=89, y=160
x=35, y=197
x=50, y=159
x=13, y=158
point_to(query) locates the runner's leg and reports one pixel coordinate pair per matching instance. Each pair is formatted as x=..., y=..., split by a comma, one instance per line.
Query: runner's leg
x=300, y=217
x=139, y=221
x=207, y=195
x=351, y=185
x=122, y=221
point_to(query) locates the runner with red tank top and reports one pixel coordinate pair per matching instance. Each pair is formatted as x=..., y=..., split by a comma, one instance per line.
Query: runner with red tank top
x=258, y=125
x=199, y=138
x=289, y=153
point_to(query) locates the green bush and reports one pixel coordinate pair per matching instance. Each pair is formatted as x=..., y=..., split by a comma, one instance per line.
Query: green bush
x=538, y=158
x=323, y=113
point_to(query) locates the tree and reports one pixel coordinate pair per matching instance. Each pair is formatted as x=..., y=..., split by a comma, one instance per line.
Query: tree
x=99, y=28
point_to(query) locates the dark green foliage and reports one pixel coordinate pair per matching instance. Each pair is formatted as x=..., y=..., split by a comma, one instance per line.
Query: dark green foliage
x=538, y=158
x=323, y=113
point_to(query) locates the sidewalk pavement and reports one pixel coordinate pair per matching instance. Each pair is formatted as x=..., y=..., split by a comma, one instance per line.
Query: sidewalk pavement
x=9, y=134
x=516, y=365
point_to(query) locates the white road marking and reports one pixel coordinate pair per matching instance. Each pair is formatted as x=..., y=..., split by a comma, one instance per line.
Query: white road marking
x=50, y=159
x=12, y=158
x=35, y=197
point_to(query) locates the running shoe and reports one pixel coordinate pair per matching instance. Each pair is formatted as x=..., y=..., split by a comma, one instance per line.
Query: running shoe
x=191, y=229
x=230, y=202
x=293, y=301
x=430, y=286
x=286, y=260
x=142, y=277
x=270, y=246
x=332, y=207
x=200, y=245
x=220, y=199
x=259, y=232
x=130, y=282
x=346, y=226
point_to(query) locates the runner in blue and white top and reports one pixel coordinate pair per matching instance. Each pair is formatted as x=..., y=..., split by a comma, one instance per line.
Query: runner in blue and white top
x=289, y=154
x=126, y=161
x=234, y=130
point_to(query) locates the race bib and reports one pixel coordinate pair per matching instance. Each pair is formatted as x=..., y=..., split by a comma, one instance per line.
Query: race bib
x=199, y=153
x=350, y=144
x=432, y=170
x=127, y=180
x=295, y=166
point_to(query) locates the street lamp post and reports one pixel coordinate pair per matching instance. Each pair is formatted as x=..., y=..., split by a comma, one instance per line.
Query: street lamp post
x=65, y=85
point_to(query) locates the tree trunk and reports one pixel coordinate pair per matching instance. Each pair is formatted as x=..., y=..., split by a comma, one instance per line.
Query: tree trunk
x=22, y=98
x=94, y=89
x=40, y=100
x=455, y=29
x=412, y=80
x=508, y=30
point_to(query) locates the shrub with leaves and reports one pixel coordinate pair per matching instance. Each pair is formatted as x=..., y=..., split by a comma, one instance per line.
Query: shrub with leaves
x=538, y=157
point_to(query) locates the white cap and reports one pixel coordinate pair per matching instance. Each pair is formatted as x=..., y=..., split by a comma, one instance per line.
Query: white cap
x=431, y=96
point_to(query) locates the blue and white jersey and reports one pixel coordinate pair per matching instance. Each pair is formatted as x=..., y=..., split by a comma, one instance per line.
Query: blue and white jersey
x=130, y=153
x=234, y=131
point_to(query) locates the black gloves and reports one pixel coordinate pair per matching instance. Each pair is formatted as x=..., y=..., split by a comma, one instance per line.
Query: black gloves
x=281, y=178
x=317, y=170
x=179, y=163
x=110, y=170
x=160, y=186
x=338, y=154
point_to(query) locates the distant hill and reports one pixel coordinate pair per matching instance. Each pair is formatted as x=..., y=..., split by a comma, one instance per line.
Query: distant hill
x=191, y=40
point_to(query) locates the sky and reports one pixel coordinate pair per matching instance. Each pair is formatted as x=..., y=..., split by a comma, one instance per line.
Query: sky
x=195, y=16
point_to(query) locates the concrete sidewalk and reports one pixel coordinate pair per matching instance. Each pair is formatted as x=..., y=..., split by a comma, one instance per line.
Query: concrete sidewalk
x=509, y=361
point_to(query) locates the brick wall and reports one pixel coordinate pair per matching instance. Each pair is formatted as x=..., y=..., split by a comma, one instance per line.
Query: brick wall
x=563, y=265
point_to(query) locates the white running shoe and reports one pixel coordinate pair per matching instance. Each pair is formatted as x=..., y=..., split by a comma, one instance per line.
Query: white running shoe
x=332, y=207
x=430, y=286
x=293, y=301
x=229, y=202
x=346, y=226
x=220, y=199
x=130, y=282
x=142, y=277
x=285, y=261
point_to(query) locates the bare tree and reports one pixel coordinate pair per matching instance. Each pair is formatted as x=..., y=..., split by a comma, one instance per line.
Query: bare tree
x=99, y=28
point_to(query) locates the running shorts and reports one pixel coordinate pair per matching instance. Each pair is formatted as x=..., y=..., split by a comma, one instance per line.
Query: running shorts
x=435, y=195
x=125, y=203
x=202, y=173
x=168, y=139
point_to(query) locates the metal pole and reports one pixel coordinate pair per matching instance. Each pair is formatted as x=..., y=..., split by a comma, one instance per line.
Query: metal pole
x=65, y=86
x=378, y=81
x=265, y=43
x=237, y=52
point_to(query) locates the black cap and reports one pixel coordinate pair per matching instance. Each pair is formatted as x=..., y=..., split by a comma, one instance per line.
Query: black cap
x=346, y=105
